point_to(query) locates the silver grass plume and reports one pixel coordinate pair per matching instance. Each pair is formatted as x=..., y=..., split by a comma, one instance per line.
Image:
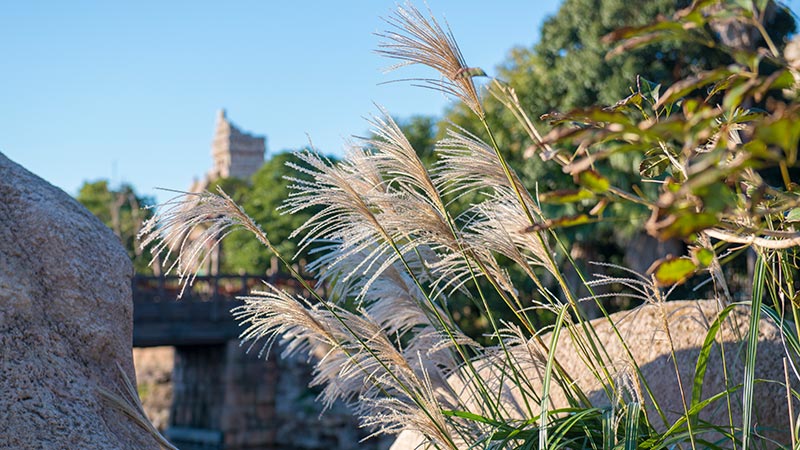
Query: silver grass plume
x=640, y=287
x=360, y=366
x=379, y=206
x=399, y=161
x=493, y=226
x=467, y=164
x=416, y=39
x=396, y=303
x=413, y=207
x=187, y=227
x=348, y=194
x=498, y=223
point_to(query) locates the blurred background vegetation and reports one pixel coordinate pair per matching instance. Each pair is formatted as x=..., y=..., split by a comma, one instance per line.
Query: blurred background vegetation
x=567, y=69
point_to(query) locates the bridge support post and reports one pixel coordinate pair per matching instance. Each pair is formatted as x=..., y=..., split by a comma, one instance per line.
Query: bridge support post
x=224, y=399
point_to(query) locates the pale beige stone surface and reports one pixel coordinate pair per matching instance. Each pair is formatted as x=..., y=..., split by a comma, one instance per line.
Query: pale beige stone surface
x=65, y=321
x=154, y=382
x=644, y=332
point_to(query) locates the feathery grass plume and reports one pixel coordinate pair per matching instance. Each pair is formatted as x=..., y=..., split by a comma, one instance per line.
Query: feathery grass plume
x=349, y=194
x=498, y=224
x=414, y=207
x=395, y=302
x=374, y=212
x=361, y=366
x=641, y=287
x=399, y=161
x=190, y=226
x=416, y=39
x=467, y=164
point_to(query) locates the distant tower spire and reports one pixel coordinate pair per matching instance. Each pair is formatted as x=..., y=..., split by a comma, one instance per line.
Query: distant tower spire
x=236, y=153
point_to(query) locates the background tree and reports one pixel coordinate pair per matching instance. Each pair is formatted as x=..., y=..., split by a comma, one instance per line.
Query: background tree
x=567, y=69
x=260, y=197
x=123, y=211
x=422, y=133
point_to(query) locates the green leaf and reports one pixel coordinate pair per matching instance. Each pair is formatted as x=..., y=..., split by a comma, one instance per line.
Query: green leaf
x=609, y=435
x=634, y=99
x=632, y=413
x=737, y=94
x=749, y=59
x=566, y=196
x=671, y=270
x=561, y=222
x=654, y=166
x=593, y=181
x=703, y=257
x=721, y=86
x=548, y=371
x=687, y=85
x=793, y=215
x=672, y=186
x=470, y=72
x=759, y=280
x=784, y=80
x=783, y=132
x=475, y=417
x=685, y=224
x=650, y=90
x=717, y=197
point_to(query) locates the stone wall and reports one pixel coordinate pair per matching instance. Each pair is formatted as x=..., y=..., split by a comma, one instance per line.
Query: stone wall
x=225, y=398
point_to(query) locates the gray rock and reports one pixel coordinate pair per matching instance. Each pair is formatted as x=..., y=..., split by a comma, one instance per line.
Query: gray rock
x=65, y=321
x=644, y=333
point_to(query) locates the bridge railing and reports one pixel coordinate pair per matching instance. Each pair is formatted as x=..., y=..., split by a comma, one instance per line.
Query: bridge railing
x=202, y=316
x=153, y=289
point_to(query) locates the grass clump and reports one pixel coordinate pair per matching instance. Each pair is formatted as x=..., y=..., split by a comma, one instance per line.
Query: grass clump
x=396, y=254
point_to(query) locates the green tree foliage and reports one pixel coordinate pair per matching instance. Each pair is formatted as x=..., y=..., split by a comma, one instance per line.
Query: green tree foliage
x=571, y=68
x=421, y=132
x=121, y=210
x=260, y=197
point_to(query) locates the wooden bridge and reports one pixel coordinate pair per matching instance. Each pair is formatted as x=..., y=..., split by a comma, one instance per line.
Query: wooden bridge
x=223, y=398
x=201, y=317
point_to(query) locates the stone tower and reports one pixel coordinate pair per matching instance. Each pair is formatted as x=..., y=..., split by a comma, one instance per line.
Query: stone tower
x=236, y=153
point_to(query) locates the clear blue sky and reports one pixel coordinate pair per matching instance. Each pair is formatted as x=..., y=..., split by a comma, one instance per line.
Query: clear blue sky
x=129, y=90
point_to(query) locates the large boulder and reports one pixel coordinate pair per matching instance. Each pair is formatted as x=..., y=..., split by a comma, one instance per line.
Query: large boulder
x=645, y=335
x=65, y=321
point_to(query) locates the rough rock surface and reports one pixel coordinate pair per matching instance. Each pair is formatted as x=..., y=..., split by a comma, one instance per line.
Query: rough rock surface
x=644, y=332
x=65, y=321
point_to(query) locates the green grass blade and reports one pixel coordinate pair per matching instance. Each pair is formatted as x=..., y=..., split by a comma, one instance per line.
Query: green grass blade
x=702, y=360
x=609, y=434
x=548, y=375
x=759, y=279
x=784, y=325
x=659, y=440
x=632, y=414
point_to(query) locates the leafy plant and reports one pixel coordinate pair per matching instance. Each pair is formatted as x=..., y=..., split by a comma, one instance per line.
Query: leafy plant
x=394, y=253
